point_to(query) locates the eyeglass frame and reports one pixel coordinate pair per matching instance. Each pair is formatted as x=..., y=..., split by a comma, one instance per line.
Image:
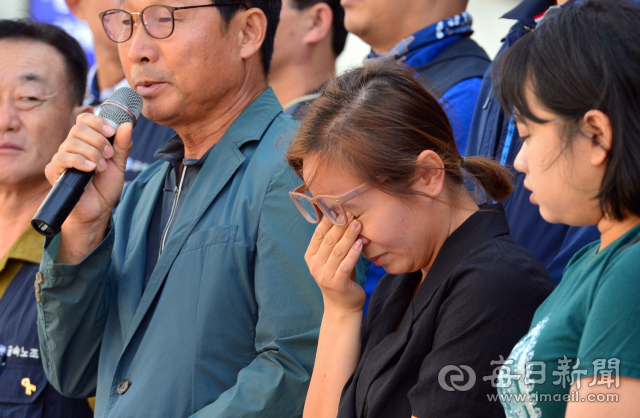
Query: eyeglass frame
x=340, y=200
x=170, y=8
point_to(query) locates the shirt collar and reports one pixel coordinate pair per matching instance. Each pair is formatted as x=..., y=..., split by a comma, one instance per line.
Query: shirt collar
x=28, y=247
x=250, y=125
x=487, y=223
x=455, y=25
x=173, y=151
x=526, y=11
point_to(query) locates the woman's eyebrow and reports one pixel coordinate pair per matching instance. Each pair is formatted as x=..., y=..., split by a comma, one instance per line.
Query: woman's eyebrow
x=349, y=205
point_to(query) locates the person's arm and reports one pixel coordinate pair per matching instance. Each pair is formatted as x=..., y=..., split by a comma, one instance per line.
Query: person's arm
x=73, y=296
x=289, y=302
x=332, y=256
x=602, y=401
x=72, y=312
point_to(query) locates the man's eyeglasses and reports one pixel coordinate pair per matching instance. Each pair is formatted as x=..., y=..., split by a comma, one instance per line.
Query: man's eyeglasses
x=157, y=20
x=312, y=208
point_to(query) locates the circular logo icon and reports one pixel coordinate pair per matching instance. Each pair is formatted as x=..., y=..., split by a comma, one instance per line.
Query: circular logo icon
x=452, y=378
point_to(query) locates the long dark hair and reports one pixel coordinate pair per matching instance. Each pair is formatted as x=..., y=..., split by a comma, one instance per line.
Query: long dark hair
x=585, y=57
x=375, y=121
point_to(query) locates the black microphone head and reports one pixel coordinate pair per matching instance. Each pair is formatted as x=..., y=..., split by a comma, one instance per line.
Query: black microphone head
x=123, y=106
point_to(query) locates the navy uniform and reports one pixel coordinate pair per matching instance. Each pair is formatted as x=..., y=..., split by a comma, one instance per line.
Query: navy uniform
x=24, y=390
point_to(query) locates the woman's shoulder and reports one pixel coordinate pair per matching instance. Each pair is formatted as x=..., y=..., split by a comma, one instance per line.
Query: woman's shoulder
x=506, y=266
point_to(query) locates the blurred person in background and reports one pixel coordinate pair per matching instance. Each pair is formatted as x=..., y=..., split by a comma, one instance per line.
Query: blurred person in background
x=192, y=299
x=43, y=73
x=311, y=35
x=431, y=36
x=106, y=76
x=493, y=134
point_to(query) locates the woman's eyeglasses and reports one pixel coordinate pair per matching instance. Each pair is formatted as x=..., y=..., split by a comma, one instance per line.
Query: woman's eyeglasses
x=312, y=208
x=157, y=20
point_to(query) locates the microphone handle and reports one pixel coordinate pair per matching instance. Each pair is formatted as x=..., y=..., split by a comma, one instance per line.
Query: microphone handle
x=63, y=197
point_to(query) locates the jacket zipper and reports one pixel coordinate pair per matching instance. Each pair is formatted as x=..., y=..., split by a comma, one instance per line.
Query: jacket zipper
x=176, y=192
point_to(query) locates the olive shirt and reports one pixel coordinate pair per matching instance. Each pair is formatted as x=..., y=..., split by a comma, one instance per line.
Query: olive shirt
x=475, y=303
x=28, y=248
x=588, y=328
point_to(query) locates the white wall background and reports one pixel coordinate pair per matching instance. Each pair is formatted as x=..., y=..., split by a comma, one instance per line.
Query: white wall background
x=489, y=28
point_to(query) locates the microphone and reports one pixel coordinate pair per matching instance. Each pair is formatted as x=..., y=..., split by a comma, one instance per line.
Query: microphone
x=123, y=106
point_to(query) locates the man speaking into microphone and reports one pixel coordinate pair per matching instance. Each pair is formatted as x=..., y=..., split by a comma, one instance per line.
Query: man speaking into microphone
x=194, y=299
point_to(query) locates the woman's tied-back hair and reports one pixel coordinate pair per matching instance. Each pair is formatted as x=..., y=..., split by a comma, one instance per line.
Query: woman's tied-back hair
x=375, y=121
x=585, y=57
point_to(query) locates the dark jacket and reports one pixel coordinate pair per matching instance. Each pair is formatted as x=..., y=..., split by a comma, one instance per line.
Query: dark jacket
x=493, y=135
x=475, y=303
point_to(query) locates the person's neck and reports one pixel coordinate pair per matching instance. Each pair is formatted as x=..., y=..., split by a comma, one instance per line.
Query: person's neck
x=293, y=81
x=459, y=212
x=200, y=135
x=611, y=230
x=18, y=204
x=110, y=71
x=382, y=41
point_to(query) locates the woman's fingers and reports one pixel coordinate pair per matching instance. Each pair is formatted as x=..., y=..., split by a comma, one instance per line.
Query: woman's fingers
x=339, y=255
x=331, y=239
x=318, y=236
x=344, y=293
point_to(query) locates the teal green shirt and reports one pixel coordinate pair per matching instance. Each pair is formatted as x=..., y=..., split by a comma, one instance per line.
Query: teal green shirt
x=587, y=328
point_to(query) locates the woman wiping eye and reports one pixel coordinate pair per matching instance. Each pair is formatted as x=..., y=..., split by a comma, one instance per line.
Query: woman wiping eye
x=460, y=290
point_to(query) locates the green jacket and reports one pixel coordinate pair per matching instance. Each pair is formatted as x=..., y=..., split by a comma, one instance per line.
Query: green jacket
x=228, y=323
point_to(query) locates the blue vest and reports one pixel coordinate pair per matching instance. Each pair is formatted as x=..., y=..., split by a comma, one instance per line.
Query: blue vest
x=24, y=390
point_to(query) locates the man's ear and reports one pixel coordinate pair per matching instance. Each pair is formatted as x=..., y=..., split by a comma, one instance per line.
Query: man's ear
x=320, y=17
x=253, y=29
x=597, y=126
x=75, y=6
x=431, y=173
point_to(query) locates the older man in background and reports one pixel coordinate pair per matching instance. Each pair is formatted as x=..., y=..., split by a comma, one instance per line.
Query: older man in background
x=43, y=73
x=310, y=36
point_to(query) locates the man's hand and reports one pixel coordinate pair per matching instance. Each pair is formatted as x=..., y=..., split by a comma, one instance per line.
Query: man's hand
x=87, y=149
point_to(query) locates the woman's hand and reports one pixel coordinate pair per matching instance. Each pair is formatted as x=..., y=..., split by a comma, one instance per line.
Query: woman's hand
x=332, y=256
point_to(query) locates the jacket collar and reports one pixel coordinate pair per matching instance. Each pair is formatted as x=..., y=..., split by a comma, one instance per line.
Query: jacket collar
x=487, y=223
x=242, y=130
x=526, y=11
x=424, y=45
